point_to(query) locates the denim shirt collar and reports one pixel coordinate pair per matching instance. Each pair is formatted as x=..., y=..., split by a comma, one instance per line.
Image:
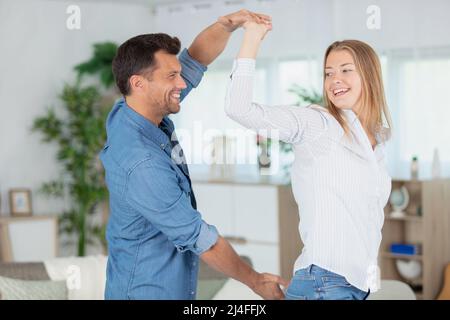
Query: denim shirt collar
x=149, y=129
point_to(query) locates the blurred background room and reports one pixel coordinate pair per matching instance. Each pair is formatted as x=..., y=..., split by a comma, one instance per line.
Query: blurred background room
x=56, y=88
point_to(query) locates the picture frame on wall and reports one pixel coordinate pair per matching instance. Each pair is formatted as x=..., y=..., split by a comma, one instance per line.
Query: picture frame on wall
x=20, y=202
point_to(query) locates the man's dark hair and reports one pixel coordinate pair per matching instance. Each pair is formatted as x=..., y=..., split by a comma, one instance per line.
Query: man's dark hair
x=137, y=55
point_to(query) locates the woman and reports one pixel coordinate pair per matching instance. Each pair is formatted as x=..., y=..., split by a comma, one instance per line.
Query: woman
x=339, y=178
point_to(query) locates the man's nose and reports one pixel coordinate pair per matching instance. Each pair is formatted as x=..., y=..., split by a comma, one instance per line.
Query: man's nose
x=181, y=84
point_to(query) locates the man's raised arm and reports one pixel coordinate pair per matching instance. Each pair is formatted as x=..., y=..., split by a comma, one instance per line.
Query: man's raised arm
x=210, y=43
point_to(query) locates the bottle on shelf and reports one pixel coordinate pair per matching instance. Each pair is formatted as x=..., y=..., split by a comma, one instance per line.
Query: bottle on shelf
x=415, y=168
x=436, y=166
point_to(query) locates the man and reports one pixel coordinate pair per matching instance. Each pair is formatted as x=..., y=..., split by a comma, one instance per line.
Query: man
x=155, y=234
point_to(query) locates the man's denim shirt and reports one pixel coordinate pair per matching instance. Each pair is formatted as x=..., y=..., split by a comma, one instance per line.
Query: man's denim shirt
x=154, y=234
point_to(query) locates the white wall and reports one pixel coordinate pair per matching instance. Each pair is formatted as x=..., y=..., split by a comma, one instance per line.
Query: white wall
x=307, y=27
x=294, y=24
x=404, y=23
x=38, y=52
x=36, y=59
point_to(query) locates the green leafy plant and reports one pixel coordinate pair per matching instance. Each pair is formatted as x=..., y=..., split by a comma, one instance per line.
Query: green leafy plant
x=306, y=97
x=100, y=63
x=78, y=129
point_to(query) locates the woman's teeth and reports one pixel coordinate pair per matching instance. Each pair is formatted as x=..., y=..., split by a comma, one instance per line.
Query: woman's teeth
x=340, y=92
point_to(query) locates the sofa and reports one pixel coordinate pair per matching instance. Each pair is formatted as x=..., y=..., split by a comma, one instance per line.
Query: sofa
x=83, y=278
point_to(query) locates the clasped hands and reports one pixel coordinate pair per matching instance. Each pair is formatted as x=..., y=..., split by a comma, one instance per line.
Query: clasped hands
x=256, y=23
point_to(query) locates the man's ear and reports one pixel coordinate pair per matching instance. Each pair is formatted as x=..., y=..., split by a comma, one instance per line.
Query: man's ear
x=136, y=82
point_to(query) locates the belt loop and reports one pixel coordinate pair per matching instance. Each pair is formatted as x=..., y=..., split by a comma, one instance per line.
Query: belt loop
x=367, y=295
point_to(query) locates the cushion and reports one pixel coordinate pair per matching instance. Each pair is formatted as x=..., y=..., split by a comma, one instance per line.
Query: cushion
x=393, y=290
x=24, y=270
x=85, y=276
x=14, y=289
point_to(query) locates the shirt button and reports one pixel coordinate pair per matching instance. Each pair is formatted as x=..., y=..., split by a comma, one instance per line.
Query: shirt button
x=192, y=292
x=162, y=145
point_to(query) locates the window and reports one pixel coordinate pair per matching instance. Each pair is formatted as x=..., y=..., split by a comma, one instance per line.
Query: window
x=202, y=117
x=416, y=92
x=421, y=110
x=305, y=73
x=425, y=86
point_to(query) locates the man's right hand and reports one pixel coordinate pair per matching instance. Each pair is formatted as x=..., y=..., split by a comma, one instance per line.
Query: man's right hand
x=268, y=286
x=222, y=257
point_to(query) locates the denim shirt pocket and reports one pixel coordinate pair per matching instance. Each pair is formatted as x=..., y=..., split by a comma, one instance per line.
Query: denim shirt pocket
x=184, y=185
x=183, y=182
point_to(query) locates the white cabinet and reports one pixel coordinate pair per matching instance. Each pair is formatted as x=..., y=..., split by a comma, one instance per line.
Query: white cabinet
x=215, y=203
x=256, y=210
x=265, y=257
x=252, y=217
x=27, y=239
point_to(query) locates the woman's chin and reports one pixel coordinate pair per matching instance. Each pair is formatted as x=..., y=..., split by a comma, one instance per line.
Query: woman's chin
x=343, y=106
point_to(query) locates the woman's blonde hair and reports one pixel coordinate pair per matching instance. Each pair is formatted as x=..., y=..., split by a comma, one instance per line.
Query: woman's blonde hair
x=373, y=105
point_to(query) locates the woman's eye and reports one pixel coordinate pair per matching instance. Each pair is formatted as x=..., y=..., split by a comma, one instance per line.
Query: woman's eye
x=328, y=74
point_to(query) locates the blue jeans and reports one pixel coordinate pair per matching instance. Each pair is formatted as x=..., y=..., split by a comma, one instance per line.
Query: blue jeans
x=315, y=283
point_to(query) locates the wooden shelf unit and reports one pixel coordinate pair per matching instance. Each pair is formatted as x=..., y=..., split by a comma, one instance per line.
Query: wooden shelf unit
x=427, y=222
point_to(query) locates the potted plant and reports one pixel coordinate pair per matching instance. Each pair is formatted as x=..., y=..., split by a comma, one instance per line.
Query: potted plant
x=78, y=129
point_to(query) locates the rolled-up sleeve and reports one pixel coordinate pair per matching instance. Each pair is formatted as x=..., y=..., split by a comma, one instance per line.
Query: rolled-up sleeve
x=191, y=70
x=154, y=192
x=288, y=123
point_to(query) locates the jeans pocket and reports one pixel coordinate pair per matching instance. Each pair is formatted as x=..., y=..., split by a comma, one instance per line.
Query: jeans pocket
x=335, y=282
x=302, y=275
x=295, y=291
x=301, y=287
x=289, y=296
